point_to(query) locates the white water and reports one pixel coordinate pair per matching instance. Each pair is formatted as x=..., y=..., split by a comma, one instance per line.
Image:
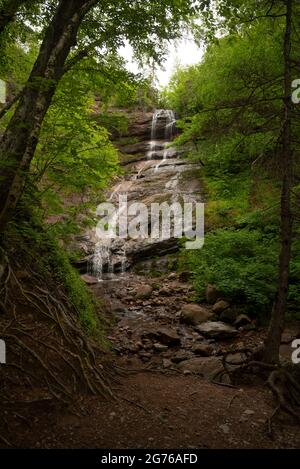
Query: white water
x=168, y=117
x=163, y=126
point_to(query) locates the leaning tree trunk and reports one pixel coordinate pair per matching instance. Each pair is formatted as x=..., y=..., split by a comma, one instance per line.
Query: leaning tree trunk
x=20, y=139
x=272, y=342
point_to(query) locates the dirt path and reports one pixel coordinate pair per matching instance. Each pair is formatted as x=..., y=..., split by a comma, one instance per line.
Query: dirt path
x=154, y=410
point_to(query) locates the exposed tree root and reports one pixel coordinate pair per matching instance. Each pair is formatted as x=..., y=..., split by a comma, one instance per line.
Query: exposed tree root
x=49, y=354
x=280, y=379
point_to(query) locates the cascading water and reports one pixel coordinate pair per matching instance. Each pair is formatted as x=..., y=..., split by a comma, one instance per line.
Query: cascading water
x=162, y=132
x=109, y=257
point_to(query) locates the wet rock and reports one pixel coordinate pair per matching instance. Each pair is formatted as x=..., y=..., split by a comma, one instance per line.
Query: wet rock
x=143, y=291
x=242, y=320
x=220, y=306
x=164, y=335
x=204, y=350
x=217, y=330
x=194, y=314
x=211, y=294
x=229, y=316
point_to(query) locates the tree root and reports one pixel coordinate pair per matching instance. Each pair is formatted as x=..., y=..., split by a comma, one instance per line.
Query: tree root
x=58, y=358
x=284, y=386
x=286, y=393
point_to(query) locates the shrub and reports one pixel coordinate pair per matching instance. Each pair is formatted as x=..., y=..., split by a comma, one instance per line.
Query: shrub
x=242, y=264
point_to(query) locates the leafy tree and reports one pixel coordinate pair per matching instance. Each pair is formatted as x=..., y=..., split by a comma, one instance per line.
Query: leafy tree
x=243, y=113
x=77, y=27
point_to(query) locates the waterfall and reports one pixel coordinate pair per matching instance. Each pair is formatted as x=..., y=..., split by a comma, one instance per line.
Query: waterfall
x=110, y=255
x=162, y=131
x=101, y=257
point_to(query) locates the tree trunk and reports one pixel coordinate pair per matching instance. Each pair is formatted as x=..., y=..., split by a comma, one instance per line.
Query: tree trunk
x=272, y=342
x=20, y=139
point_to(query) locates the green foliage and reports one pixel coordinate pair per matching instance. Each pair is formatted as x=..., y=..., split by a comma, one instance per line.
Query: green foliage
x=74, y=153
x=242, y=263
x=230, y=117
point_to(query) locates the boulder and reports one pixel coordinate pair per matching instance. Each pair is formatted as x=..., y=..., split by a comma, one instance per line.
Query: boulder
x=242, y=320
x=143, y=291
x=217, y=330
x=220, y=306
x=211, y=294
x=164, y=335
x=208, y=367
x=236, y=359
x=194, y=314
x=204, y=350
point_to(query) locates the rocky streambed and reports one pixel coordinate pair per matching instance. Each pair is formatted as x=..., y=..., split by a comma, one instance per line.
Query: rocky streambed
x=158, y=325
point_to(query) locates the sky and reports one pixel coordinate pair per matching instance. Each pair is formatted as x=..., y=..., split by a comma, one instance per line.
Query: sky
x=183, y=52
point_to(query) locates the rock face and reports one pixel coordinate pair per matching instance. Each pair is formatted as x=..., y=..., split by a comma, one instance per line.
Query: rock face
x=194, y=314
x=217, y=330
x=154, y=174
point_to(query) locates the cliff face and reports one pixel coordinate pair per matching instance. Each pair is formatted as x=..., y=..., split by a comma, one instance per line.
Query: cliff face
x=154, y=173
